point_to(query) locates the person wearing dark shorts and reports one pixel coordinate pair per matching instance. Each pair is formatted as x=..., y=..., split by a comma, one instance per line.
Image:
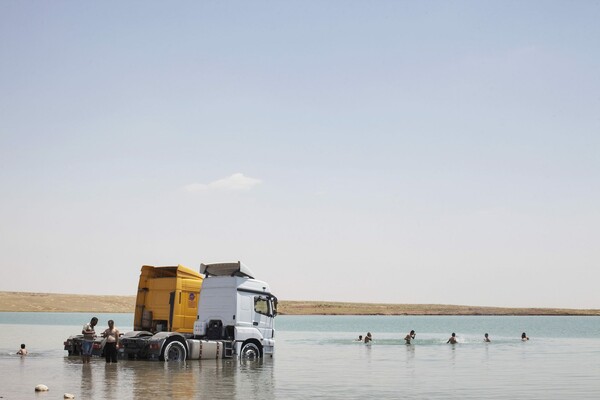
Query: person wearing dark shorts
x=112, y=342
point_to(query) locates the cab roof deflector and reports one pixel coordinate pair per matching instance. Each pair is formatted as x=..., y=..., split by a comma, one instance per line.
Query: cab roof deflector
x=226, y=269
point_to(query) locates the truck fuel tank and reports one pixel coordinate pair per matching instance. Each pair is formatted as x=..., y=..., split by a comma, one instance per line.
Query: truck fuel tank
x=204, y=349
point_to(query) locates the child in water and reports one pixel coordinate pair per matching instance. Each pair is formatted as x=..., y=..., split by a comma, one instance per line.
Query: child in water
x=22, y=351
x=452, y=339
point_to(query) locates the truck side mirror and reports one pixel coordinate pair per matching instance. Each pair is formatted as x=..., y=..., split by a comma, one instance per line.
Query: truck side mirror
x=274, y=306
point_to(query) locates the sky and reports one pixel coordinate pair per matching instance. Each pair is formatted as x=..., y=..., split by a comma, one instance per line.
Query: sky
x=421, y=152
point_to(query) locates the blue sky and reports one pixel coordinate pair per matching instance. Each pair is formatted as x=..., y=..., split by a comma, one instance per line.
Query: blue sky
x=370, y=151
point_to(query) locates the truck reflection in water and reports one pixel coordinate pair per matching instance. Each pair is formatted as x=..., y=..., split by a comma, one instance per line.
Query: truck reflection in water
x=224, y=379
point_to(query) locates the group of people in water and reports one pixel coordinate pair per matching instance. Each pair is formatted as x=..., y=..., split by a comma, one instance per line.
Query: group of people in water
x=111, y=345
x=412, y=334
x=111, y=334
x=367, y=338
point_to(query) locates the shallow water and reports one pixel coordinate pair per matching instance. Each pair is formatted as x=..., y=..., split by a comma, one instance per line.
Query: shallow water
x=317, y=357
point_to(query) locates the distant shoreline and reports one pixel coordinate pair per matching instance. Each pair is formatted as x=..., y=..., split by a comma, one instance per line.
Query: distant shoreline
x=54, y=302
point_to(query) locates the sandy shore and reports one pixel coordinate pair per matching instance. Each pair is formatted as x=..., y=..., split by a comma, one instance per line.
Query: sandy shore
x=51, y=302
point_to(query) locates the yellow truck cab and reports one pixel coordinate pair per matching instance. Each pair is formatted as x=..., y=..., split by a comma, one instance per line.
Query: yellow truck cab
x=167, y=299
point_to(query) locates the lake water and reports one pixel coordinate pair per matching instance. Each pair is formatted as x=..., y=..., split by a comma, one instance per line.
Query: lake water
x=316, y=357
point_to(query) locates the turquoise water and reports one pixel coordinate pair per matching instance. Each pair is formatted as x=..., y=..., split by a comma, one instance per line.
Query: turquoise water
x=317, y=357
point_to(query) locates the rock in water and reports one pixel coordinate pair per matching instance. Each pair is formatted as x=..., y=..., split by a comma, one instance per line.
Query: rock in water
x=69, y=396
x=41, y=388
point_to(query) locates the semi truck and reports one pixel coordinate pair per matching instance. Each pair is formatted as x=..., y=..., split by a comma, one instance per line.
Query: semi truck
x=235, y=318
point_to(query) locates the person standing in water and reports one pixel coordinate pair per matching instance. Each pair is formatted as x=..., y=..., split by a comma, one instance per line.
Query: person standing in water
x=486, y=338
x=112, y=342
x=524, y=337
x=368, y=338
x=452, y=339
x=410, y=336
x=88, y=340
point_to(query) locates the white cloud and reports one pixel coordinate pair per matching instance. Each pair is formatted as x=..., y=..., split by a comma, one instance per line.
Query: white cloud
x=235, y=182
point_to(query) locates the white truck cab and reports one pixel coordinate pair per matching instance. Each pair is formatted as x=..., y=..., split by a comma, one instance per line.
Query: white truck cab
x=236, y=312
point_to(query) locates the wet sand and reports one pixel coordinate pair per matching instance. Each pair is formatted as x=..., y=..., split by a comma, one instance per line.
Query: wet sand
x=53, y=302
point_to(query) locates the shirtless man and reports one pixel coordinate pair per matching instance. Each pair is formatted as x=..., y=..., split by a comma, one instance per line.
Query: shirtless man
x=410, y=336
x=486, y=338
x=368, y=338
x=22, y=351
x=112, y=342
x=452, y=339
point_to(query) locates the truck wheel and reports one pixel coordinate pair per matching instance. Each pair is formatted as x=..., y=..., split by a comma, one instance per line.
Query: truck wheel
x=173, y=351
x=251, y=350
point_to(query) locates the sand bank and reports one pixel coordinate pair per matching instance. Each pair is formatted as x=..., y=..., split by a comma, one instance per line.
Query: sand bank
x=53, y=302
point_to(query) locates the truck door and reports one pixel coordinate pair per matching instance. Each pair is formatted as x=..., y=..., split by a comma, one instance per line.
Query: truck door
x=263, y=316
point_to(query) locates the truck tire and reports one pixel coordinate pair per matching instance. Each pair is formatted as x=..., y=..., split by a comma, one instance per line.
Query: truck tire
x=173, y=350
x=251, y=350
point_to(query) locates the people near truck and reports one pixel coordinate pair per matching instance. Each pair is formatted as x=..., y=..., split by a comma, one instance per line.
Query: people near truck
x=111, y=334
x=368, y=337
x=360, y=339
x=89, y=334
x=411, y=335
x=486, y=338
x=524, y=337
x=22, y=351
x=452, y=339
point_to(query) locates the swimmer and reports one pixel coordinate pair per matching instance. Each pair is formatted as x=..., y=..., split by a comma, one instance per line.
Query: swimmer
x=22, y=351
x=524, y=337
x=368, y=338
x=452, y=339
x=410, y=336
x=486, y=338
x=360, y=339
